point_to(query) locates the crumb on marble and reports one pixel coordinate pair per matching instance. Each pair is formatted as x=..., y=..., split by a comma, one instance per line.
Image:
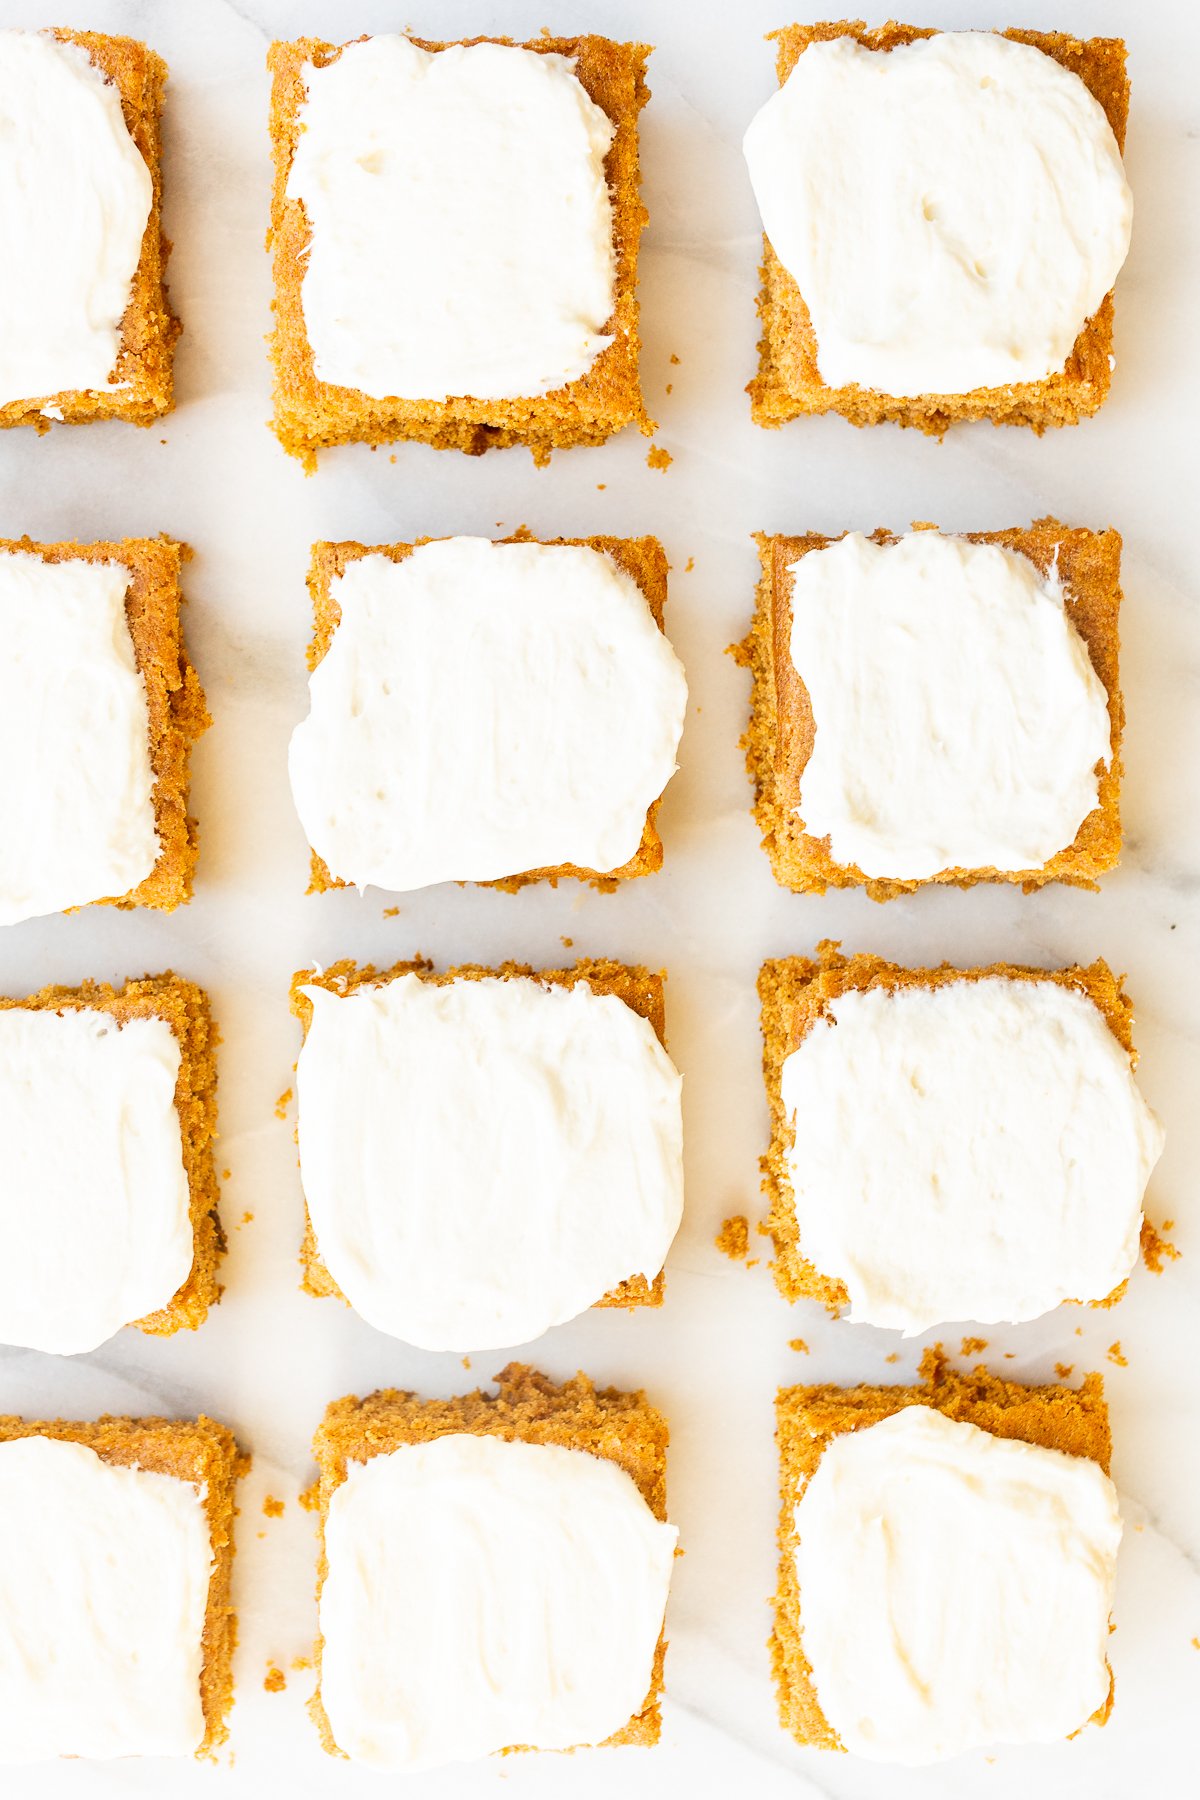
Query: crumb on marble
x=658, y=458
x=302, y=1662
x=1157, y=1248
x=272, y=1507
x=466, y=1362
x=733, y=1239
x=670, y=385
x=225, y=1174
x=973, y=1346
x=799, y=1345
x=600, y=486
x=1064, y=1371
x=674, y=359
x=893, y=1358
x=567, y=943
x=282, y=1104
x=391, y=912
x=1117, y=1355
x=275, y=1680
x=247, y=1219
x=689, y=565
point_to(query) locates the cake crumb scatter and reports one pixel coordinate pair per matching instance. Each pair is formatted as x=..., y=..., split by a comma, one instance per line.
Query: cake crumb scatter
x=798, y=1344
x=1117, y=1355
x=282, y=1104
x=974, y=1346
x=658, y=458
x=1157, y=1248
x=1064, y=1370
x=275, y=1680
x=272, y=1507
x=733, y=1239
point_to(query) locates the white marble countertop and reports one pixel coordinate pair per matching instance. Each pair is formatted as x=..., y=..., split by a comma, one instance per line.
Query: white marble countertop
x=269, y=1358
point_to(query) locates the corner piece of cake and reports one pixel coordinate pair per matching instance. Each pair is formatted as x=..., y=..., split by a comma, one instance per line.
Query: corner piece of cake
x=108, y=1193
x=486, y=1153
x=455, y=234
x=86, y=331
x=945, y=214
x=99, y=708
x=937, y=708
x=500, y=713
x=947, y=1555
x=951, y=1144
x=539, y=1510
x=116, y=1550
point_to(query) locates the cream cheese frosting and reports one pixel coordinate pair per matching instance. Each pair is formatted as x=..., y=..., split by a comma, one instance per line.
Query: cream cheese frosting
x=954, y=1588
x=76, y=798
x=959, y=723
x=461, y=224
x=953, y=210
x=95, y=1229
x=485, y=710
x=975, y=1151
x=482, y=1594
x=483, y=1159
x=75, y=196
x=104, y=1575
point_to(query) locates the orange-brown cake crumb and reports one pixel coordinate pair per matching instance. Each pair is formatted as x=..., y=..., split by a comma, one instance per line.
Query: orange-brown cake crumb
x=796, y=992
x=781, y=732
x=642, y=559
x=1074, y=1420
x=142, y=379
x=638, y=988
x=798, y=1344
x=1157, y=1248
x=733, y=1239
x=275, y=1680
x=312, y=415
x=526, y=1408
x=1064, y=1371
x=658, y=458
x=973, y=1346
x=282, y=1103
x=788, y=384
x=185, y=1008
x=198, y=1451
x=1116, y=1355
x=272, y=1507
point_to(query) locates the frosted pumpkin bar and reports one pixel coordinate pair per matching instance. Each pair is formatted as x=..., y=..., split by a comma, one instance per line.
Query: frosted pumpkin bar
x=951, y=1144
x=86, y=331
x=537, y=1512
x=937, y=708
x=944, y=216
x=493, y=712
x=946, y=1563
x=455, y=236
x=108, y=1193
x=116, y=1550
x=99, y=708
x=486, y=1153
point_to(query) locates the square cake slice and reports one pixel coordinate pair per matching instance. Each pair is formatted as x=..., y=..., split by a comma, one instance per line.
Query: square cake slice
x=540, y=1509
x=946, y=1562
x=937, y=707
x=951, y=1144
x=86, y=330
x=888, y=168
x=486, y=1153
x=503, y=712
x=108, y=1193
x=455, y=236
x=99, y=709
x=116, y=1549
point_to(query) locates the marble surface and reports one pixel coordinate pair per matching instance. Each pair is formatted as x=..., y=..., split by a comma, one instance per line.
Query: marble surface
x=270, y=1358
